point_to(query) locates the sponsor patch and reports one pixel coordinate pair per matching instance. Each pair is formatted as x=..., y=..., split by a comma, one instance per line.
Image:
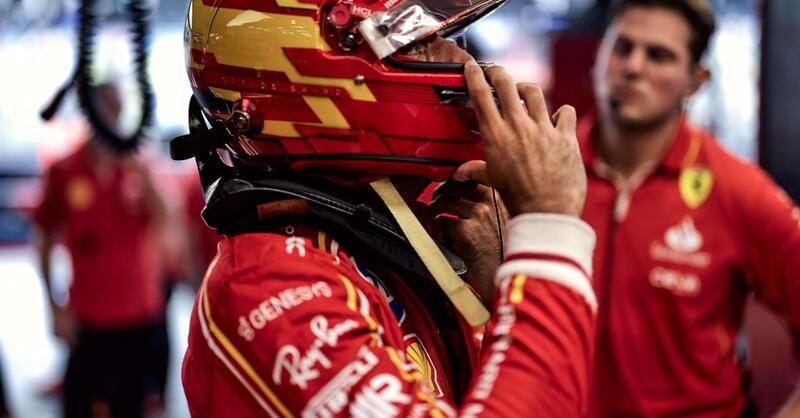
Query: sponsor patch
x=380, y=398
x=303, y=367
x=397, y=309
x=506, y=317
x=274, y=307
x=333, y=397
x=681, y=245
x=684, y=237
x=296, y=245
x=679, y=283
x=417, y=353
x=360, y=11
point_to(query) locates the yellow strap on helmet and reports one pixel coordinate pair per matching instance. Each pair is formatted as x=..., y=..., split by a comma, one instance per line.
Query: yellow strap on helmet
x=456, y=290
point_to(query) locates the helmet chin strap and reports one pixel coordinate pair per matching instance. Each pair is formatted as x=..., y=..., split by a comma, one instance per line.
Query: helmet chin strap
x=456, y=290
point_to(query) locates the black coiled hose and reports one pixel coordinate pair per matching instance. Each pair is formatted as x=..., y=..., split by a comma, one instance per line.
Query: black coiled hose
x=82, y=78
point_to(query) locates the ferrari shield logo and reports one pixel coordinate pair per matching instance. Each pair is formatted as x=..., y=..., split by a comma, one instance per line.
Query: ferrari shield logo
x=695, y=185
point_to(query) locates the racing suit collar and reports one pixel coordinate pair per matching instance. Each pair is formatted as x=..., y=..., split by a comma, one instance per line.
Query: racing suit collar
x=682, y=151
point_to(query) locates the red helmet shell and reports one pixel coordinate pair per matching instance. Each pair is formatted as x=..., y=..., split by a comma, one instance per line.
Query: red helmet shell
x=326, y=101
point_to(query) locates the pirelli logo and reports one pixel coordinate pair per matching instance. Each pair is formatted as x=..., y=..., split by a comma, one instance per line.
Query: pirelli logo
x=333, y=398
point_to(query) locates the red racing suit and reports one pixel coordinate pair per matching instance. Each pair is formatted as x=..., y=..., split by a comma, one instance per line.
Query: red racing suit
x=290, y=324
x=680, y=246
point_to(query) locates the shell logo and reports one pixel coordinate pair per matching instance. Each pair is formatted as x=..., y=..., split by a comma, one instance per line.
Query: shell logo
x=417, y=353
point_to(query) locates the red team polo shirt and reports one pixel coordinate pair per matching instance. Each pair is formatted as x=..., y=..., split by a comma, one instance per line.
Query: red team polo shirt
x=679, y=249
x=194, y=202
x=105, y=227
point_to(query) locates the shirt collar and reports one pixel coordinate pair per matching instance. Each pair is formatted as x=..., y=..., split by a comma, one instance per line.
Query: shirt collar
x=683, y=150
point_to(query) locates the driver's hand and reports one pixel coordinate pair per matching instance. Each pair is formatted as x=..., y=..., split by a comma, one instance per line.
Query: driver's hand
x=467, y=219
x=535, y=165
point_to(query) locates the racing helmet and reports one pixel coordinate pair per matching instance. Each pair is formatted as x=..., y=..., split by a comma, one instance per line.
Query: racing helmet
x=329, y=84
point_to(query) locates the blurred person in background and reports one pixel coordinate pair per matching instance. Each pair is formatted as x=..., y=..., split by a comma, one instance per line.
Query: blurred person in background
x=105, y=208
x=685, y=230
x=201, y=239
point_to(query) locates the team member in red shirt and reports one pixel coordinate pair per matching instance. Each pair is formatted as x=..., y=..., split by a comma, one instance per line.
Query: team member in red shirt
x=202, y=240
x=686, y=231
x=104, y=208
x=315, y=305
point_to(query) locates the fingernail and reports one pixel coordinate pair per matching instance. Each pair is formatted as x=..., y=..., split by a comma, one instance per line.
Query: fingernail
x=470, y=63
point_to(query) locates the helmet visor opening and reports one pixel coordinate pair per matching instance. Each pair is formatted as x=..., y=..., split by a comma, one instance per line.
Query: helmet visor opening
x=413, y=20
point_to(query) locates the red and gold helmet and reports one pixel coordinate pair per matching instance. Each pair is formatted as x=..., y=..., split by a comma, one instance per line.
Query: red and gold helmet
x=329, y=85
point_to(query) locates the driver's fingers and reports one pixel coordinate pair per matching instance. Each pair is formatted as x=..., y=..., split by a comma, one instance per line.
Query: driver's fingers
x=474, y=170
x=565, y=119
x=534, y=100
x=506, y=90
x=480, y=93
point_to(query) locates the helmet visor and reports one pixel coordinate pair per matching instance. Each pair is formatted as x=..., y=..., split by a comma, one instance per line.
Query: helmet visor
x=409, y=21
